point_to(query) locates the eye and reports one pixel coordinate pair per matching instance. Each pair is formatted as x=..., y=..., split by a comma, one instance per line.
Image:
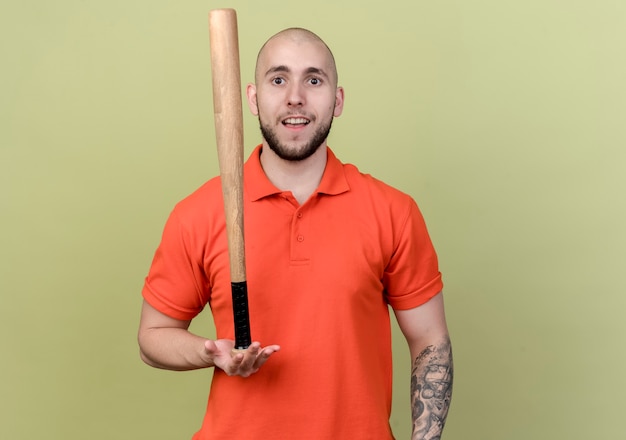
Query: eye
x=315, y=81
x=278, y=81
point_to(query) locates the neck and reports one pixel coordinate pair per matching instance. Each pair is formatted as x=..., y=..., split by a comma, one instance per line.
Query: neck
x=300, y=177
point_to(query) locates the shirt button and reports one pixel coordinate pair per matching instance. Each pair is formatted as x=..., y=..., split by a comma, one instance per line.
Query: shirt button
x=299, y=215
x=300, y=238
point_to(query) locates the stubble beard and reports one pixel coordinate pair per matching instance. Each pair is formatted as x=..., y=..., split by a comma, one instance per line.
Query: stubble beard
x=289, y=153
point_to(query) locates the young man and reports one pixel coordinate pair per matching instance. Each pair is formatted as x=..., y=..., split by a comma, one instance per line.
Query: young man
x=328, y=249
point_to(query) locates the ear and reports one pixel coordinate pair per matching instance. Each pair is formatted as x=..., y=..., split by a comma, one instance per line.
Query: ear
x=339, y=99
x=252, y=103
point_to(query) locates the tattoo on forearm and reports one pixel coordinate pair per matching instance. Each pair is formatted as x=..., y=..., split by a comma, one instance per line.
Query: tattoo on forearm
x=431, y=390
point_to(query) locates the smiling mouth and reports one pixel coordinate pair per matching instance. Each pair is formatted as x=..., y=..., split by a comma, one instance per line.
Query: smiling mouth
x=296, y=122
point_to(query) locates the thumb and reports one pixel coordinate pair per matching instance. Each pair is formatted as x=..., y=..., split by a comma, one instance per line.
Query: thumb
x=210, y=347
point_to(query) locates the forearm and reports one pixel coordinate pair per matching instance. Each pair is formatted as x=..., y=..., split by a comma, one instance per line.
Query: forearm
x=431, y=390
x=173, y=349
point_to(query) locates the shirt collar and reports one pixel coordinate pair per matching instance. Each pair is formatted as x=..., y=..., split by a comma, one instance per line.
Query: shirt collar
x=258, y=186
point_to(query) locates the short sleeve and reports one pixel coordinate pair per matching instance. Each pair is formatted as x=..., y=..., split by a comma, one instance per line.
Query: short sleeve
x=176, y=284
x=412, y=276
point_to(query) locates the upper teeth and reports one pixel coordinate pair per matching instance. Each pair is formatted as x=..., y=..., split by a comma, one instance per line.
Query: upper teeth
x=296, y=121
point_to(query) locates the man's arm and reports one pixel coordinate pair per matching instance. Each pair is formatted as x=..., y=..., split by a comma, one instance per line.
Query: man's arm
x=432, y=371
x=165, y=342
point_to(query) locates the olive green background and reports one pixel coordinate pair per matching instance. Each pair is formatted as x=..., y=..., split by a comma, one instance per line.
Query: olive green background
x=504, y=119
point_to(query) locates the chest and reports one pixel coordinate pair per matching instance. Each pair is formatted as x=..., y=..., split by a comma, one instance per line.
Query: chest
x=325, y=251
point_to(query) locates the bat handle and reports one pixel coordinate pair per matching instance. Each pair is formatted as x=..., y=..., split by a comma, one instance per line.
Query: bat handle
x=241, y=315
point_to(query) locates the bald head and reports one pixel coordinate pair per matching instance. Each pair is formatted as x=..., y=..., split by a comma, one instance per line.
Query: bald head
x=298, y=36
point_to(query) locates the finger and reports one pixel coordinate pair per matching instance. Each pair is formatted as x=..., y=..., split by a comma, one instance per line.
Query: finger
x=250, y=356
x=235, y=363
x=265, y=355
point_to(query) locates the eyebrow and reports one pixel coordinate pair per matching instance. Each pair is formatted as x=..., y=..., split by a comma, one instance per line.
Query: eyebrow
x=308, y=71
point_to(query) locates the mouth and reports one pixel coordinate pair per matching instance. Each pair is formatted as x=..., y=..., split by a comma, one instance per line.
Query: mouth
x=296, y=122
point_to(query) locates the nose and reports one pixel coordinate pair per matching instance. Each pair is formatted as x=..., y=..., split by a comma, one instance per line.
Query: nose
x=295, y=96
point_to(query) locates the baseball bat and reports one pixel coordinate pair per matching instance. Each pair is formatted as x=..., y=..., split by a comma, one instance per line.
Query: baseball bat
x=229, y=135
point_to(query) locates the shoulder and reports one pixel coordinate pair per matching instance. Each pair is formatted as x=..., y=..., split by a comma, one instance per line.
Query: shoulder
x=367, y=186
x=200, y=205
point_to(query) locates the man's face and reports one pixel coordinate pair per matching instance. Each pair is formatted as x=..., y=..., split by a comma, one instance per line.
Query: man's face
x=295, y=96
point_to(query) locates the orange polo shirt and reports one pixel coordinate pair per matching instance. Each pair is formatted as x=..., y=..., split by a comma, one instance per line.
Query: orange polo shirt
x=320, y=279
